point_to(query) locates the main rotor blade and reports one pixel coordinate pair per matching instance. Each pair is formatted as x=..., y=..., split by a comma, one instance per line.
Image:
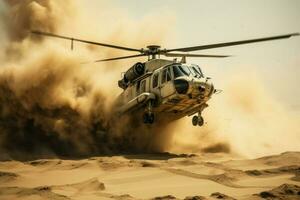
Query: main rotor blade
x=85, y=41
x=119, y=58
x=194, y=55
x=218, y=45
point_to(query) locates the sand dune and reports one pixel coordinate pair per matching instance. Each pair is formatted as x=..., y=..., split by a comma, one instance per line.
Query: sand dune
x=284, y=191
x=7, y=176
x=153, y=176
x=30, y=193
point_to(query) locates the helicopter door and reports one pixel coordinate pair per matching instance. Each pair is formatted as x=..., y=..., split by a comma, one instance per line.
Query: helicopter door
x=155, y=84
x=166, y=85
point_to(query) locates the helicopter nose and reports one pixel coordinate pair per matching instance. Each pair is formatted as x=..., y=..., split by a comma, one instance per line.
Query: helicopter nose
x=206, y=88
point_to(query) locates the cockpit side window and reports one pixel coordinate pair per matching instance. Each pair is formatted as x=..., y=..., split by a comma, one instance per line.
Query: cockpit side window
x=166, y=75
x=155, y=80
x=177, y=72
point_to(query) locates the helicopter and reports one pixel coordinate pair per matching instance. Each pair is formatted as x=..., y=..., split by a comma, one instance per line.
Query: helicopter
x=161, y=88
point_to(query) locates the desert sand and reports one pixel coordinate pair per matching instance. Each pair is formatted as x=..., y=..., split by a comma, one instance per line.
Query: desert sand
x=153, y=176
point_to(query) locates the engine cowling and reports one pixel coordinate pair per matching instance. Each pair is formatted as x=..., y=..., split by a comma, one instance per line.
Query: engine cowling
x=131, y=74
x=134, y=72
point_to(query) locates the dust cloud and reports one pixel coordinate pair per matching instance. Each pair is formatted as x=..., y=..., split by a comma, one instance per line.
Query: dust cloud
x=50, y=104
x=258, y=123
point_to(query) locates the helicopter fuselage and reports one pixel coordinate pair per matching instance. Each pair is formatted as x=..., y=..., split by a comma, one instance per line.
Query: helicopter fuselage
x=167, y=90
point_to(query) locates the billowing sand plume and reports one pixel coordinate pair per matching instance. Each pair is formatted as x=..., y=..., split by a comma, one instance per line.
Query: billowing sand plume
x=45, y=104
x=49, y=103
x=46, y=108
x=259, y=124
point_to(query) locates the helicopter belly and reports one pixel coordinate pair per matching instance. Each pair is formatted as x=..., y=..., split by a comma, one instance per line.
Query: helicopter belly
x=179, y=106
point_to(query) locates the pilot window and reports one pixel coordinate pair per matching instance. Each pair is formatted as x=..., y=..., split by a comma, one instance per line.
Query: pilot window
x=166, y=75
x=177, y=72
x=181, y=70
x=143, y=86
x=155, y=80
x=185, y=69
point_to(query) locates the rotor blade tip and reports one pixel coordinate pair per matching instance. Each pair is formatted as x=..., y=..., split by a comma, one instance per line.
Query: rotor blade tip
x=294, y=34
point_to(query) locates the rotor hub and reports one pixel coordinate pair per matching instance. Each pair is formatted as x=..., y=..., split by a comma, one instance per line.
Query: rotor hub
x=153, y=49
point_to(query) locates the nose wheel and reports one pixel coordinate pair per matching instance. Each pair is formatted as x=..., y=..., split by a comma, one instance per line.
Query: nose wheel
x=197, y=120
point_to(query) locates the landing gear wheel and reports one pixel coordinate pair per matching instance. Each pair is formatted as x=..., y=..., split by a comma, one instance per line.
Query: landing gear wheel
x=148, y=118
x=195, y=120
x=200, y=121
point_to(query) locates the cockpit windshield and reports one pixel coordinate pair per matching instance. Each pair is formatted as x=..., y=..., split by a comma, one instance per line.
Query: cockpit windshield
x=197, y=70
x=187, y=70
x=178, y=71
